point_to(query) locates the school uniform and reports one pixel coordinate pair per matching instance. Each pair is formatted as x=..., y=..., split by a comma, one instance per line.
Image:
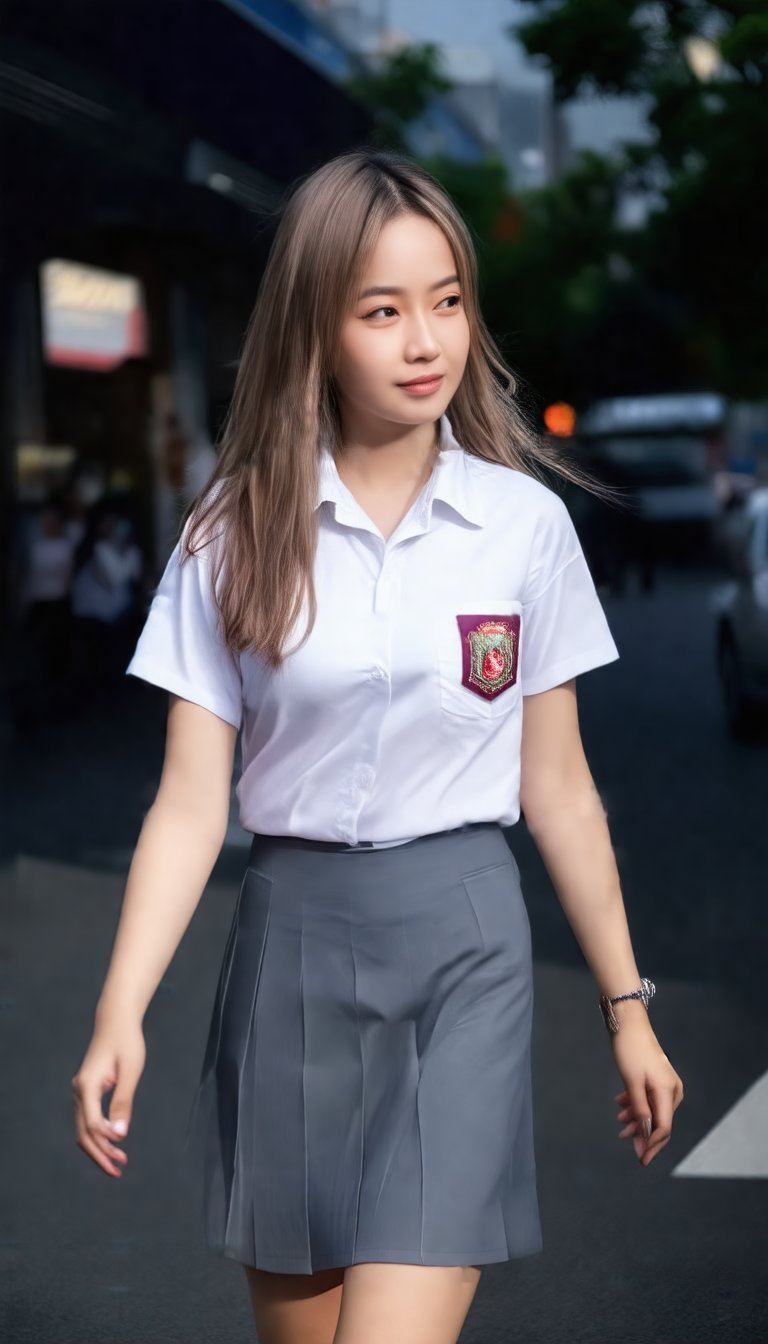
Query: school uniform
x=366, y=1086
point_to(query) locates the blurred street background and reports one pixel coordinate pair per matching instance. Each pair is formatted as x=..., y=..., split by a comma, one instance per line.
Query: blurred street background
x=611, y=162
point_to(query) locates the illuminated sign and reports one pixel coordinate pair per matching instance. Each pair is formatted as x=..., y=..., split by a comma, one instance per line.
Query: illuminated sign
x=92, y=319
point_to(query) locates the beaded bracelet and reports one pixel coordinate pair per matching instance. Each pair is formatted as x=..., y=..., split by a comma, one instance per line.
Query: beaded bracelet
x=645, y=992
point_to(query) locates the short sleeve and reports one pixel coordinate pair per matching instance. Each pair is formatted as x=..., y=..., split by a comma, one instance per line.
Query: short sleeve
x=181, y=647
x=564, y=627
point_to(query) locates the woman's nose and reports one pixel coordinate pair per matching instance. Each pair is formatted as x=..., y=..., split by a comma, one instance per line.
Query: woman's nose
x=421, y=342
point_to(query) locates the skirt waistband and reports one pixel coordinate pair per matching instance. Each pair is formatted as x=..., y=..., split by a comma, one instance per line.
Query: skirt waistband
x=339, y=847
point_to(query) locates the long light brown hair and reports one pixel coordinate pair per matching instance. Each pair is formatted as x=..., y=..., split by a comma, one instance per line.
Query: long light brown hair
x=263, y=488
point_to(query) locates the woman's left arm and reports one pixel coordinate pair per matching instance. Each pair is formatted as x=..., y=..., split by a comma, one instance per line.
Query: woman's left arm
x=566, y=818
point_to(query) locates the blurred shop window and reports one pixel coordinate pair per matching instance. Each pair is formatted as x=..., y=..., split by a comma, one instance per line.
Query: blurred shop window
x=42, y=469
x=92, y=319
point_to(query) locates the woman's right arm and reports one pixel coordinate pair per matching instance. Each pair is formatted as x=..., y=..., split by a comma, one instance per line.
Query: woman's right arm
x=177, y=848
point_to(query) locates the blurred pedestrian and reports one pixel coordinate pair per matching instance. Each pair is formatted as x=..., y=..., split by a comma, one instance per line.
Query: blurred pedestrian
x=618, y=537
x=175, y=452
x=45, y=601
x=105, y=596
x=75, y=513
x=364, y=1118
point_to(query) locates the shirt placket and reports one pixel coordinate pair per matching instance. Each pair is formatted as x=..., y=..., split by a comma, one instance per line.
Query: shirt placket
x=359, y=782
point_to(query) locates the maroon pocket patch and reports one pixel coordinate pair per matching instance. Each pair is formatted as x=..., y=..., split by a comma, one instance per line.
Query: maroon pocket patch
x=489, y=647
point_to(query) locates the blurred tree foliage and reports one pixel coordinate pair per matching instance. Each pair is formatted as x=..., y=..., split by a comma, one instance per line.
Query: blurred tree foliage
x=398, y=91
x=555, y=288
x=699, y=268
x=581, y=306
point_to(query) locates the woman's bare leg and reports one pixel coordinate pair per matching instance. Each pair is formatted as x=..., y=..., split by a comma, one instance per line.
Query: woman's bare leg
x=295, y=1308
x=409, y=1304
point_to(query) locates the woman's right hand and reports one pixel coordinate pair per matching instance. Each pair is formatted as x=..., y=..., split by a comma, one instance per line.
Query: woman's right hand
x=114, y=1058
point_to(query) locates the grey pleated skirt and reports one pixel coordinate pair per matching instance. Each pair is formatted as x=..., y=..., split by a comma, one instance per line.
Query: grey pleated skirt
x=366, y=1086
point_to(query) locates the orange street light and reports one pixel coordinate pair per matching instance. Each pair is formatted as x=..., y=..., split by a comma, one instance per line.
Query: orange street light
x=560, y=419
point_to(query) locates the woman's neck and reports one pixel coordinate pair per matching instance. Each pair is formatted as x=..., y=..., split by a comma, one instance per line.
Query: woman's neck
x=388, y=464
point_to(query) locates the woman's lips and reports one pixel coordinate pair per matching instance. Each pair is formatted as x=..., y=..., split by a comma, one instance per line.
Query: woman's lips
x=424, y=388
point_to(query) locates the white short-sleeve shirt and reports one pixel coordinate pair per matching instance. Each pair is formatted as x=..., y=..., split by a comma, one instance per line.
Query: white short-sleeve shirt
x=402, y=713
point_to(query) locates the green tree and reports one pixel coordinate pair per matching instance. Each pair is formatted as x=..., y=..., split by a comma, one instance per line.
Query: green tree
x=557, y=287
x=398, y=91
x=562, y=299
x=702, y=254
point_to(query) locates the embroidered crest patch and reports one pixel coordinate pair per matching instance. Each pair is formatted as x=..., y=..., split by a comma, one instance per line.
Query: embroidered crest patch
x=489, y=646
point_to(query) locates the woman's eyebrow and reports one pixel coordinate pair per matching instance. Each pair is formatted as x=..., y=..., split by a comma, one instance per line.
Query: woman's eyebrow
x=393, y=289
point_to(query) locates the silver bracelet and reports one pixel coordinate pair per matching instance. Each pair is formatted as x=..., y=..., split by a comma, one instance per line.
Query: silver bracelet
x=645, y=992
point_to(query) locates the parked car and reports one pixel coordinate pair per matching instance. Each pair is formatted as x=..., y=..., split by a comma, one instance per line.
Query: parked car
x=742, y=623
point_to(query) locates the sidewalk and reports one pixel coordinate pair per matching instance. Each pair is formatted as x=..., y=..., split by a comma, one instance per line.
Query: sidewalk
x=75, y=789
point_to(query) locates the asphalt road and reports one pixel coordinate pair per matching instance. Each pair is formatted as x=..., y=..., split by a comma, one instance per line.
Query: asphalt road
x=630, y=1253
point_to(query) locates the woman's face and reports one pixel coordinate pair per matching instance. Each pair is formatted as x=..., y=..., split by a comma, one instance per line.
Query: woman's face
x=408, y=324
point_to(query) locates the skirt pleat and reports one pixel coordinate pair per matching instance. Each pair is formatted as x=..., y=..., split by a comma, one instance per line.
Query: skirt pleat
x=366, y=1085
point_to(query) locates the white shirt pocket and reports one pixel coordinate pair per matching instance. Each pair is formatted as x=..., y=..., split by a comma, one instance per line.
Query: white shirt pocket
x=478, y=655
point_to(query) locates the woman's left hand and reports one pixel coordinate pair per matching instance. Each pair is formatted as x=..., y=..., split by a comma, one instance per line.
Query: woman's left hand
x=654, y=1089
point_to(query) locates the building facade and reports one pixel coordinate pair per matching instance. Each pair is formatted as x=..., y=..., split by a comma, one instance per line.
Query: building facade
x=142, y=165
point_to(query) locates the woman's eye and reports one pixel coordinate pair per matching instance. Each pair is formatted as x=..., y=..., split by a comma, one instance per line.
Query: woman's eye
x=388, y=311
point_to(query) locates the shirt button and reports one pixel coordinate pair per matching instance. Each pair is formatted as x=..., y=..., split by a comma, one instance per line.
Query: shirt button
x=378, y=673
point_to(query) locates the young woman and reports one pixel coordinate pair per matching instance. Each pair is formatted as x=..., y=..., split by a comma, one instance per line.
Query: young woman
x=377, y=587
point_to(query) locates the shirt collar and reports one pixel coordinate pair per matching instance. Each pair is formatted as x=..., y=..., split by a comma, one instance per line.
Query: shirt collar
x=452, y=480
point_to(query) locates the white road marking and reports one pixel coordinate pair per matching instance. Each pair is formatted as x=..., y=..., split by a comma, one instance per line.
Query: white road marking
x=738, y=1144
